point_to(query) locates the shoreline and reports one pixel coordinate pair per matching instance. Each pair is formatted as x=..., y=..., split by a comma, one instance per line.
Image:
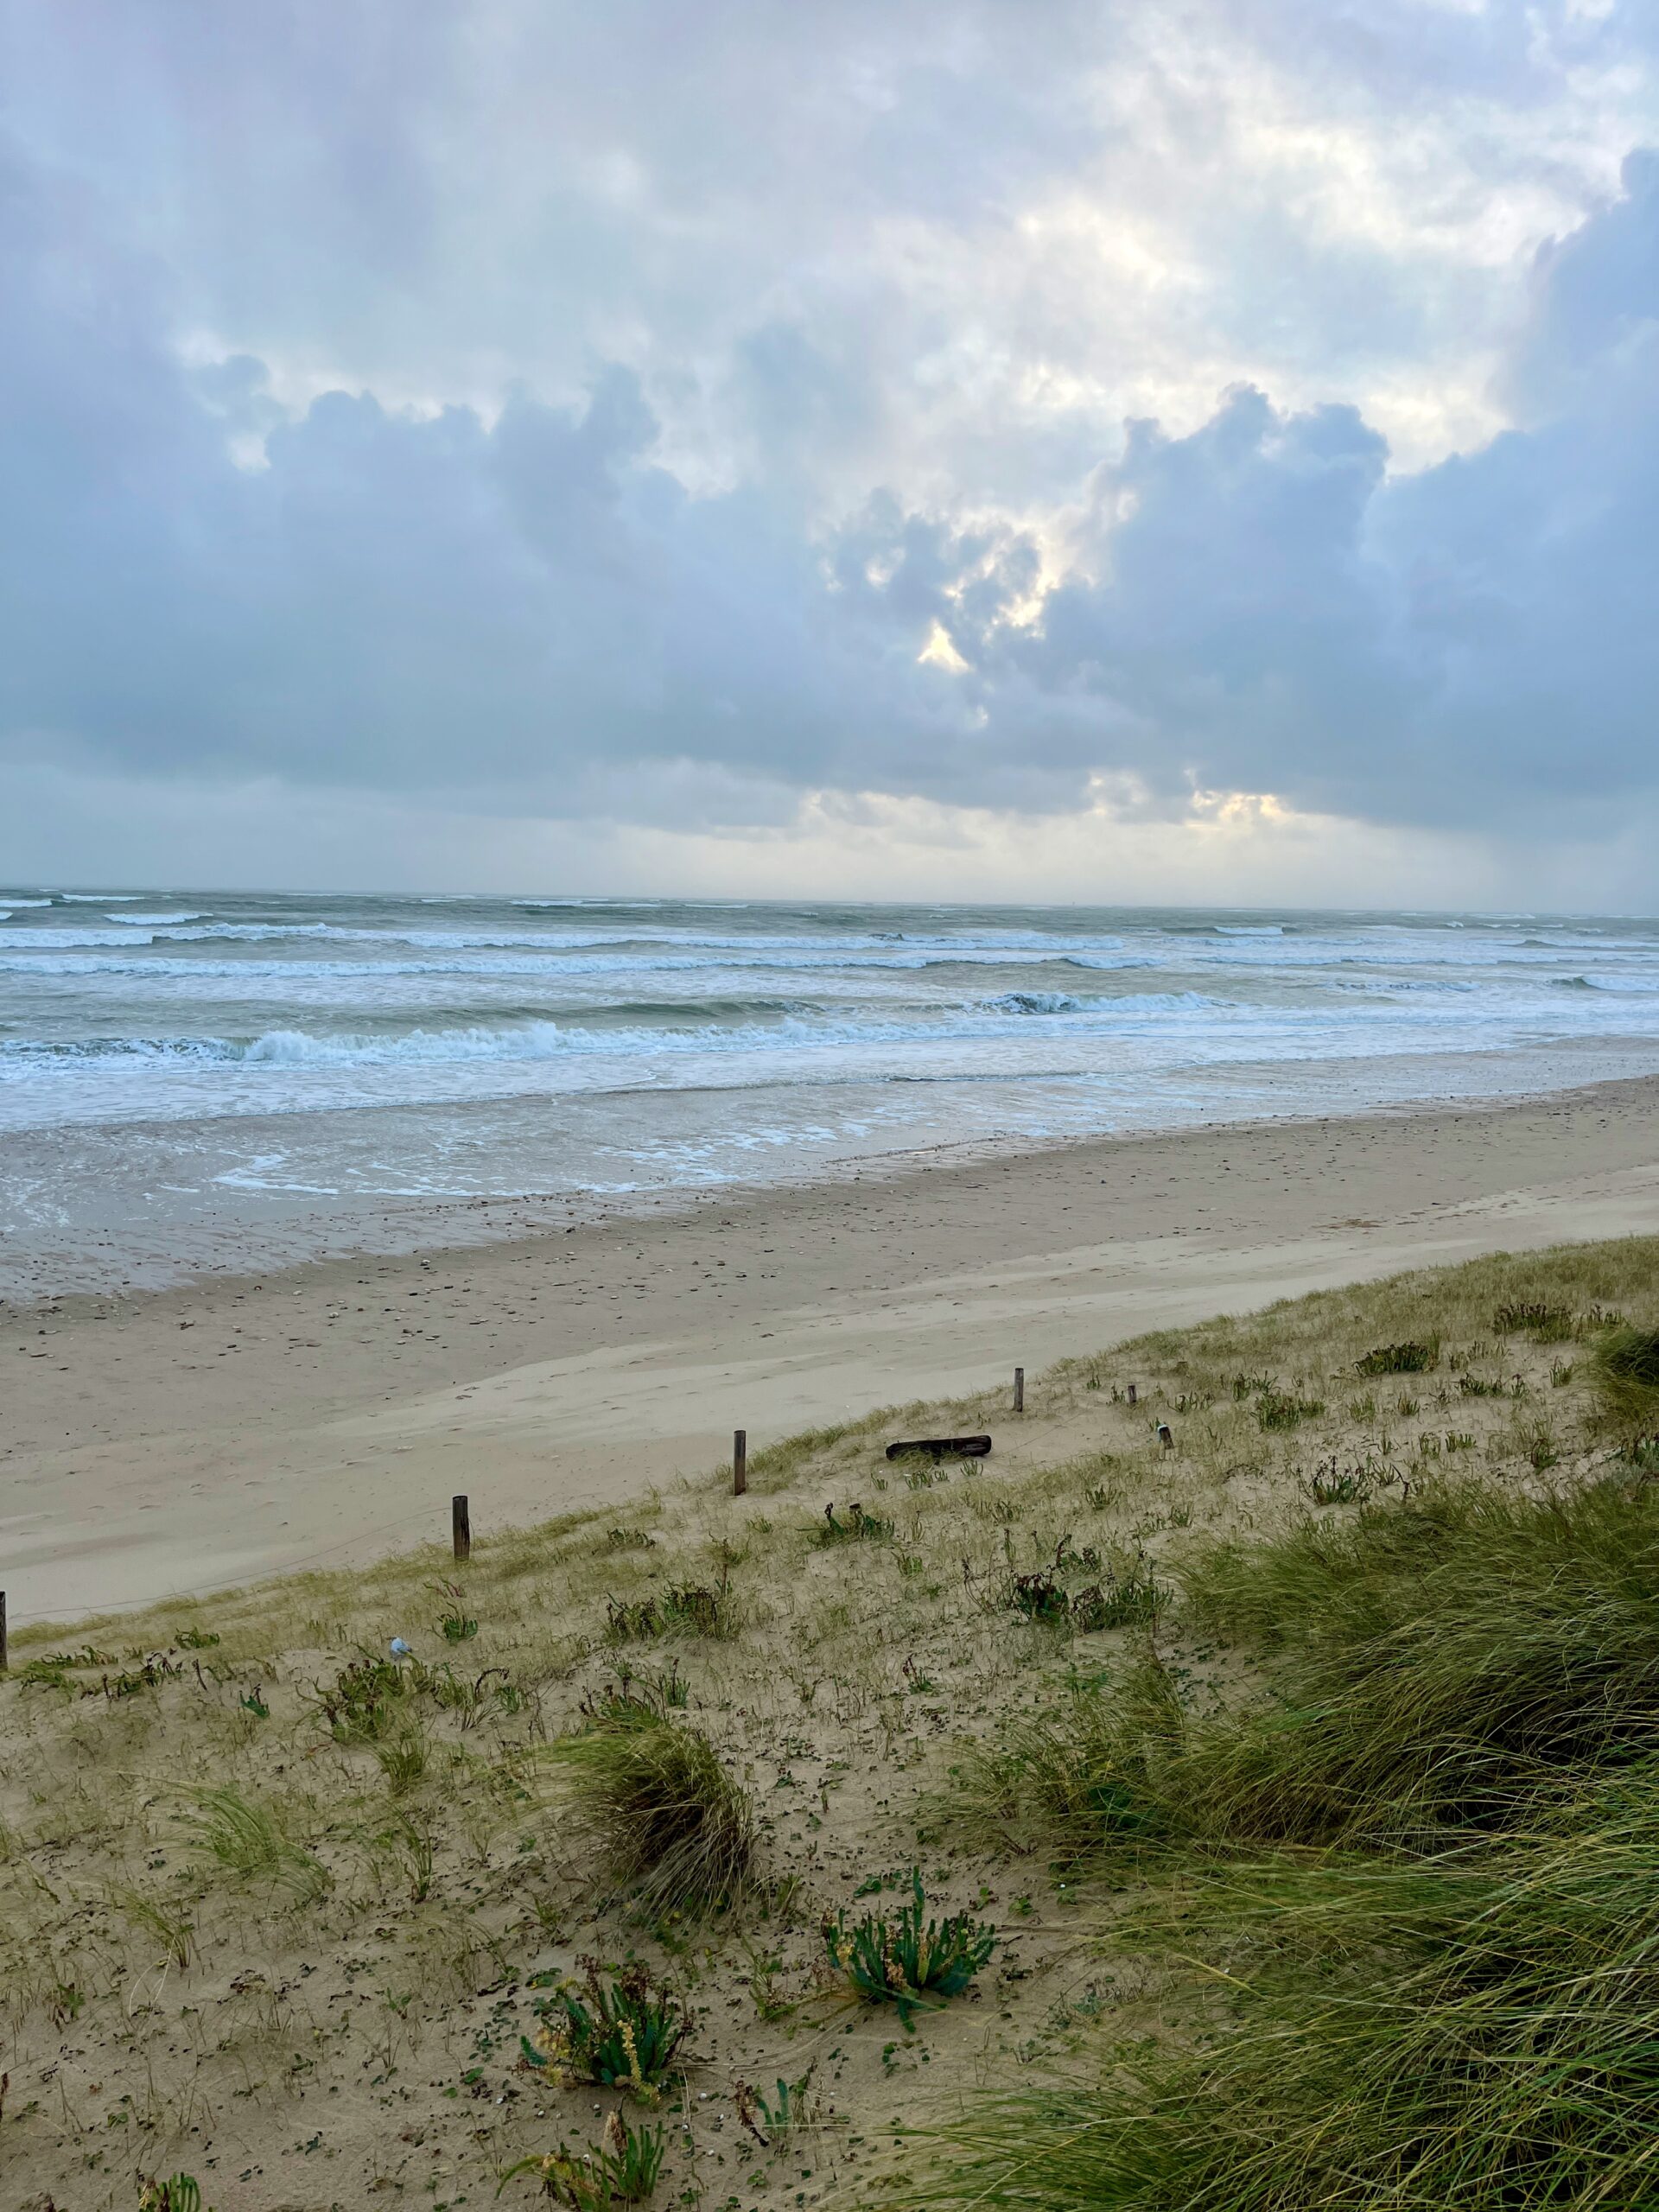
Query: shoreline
x=174, y=1440
x=118, y=1226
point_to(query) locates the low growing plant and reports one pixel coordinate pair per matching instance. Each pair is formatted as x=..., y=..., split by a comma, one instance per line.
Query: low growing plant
x=365, y=1698
x=456, y=1623
x=909, y=1963
x=1408, y=1358
x=623, y=2171
x=858, y=1527
x=181, y=2194
x=689, y=1608
x=1283, y=1410
x=623, y=2032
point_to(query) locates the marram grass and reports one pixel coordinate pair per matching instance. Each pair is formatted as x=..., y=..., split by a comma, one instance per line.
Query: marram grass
x=1452, y=2003
x=674, y=1825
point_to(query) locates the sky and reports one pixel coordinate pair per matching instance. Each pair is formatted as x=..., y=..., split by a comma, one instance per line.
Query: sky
x=1155, y=449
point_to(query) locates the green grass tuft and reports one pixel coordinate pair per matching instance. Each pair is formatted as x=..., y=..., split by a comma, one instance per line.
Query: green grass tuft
x=673, y=1823
x=1626, y=1365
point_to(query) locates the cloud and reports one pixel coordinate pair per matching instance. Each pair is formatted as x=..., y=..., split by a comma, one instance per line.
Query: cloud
x=704, y=434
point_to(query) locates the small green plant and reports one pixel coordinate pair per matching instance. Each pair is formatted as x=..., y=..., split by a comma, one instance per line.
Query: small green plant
x=1283, y=1410
x=1334, y=1482
x=254, y=1703
x=364, y=1700
x=623, y=2171
x=195, y=1639
x=456, y=1623
x=762, y=1982
x=87, y=1656
x=701, y=1611
x=1541, y=1448
x=909, y=1963
x=665, y=1689
x=1538, y=1319
x=670, y=1817
x=858, y=1527
x=409, y=1847
x=403, y=1761
x=1409, y=1358
x=688, y=1607
x=134, y=1681
x=623, y=2033
x=1127, y=1601
x=181, y=2194
x=1474, y=1386
x=770, y=2118
x=1039, y=1597
x=630, y=1540
x=173, y=1930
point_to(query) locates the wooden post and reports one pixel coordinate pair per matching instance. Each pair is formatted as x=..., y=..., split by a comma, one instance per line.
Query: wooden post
x=1166, y=1436
x=3, y=1632
x=740, y=1461
x=1019, y=1389
x=460, y=1528
x=1131, y=1394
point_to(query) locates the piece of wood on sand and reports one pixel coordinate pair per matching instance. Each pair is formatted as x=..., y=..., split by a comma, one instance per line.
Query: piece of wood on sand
x=943, y=1448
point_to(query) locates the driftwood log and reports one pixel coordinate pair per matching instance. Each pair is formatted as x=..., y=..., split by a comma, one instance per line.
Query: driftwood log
x=943, y=1448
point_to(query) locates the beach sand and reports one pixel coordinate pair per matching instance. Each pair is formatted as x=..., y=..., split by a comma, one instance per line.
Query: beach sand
x=183, y=1440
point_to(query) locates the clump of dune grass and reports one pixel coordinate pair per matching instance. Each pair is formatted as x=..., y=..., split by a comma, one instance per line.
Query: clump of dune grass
x=1067, y=1777
x=248, y=1841
x=1428, y=1660
x=1420, y=1868
x=1625, y=1366
x=673, y=1824
x=1471, y=2032
x=1422, y=1664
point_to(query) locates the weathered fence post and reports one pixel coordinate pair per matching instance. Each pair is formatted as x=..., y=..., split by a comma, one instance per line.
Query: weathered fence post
x=740, y=1461
x=460, y=1528
x=1019, y=1389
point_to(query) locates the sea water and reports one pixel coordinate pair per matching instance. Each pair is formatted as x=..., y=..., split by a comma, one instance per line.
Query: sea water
x=205, y=1079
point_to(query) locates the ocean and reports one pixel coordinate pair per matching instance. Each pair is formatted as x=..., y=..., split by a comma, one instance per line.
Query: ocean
x=204, y=1079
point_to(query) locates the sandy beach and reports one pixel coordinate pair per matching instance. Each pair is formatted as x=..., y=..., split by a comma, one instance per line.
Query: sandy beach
x=183, y=1440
